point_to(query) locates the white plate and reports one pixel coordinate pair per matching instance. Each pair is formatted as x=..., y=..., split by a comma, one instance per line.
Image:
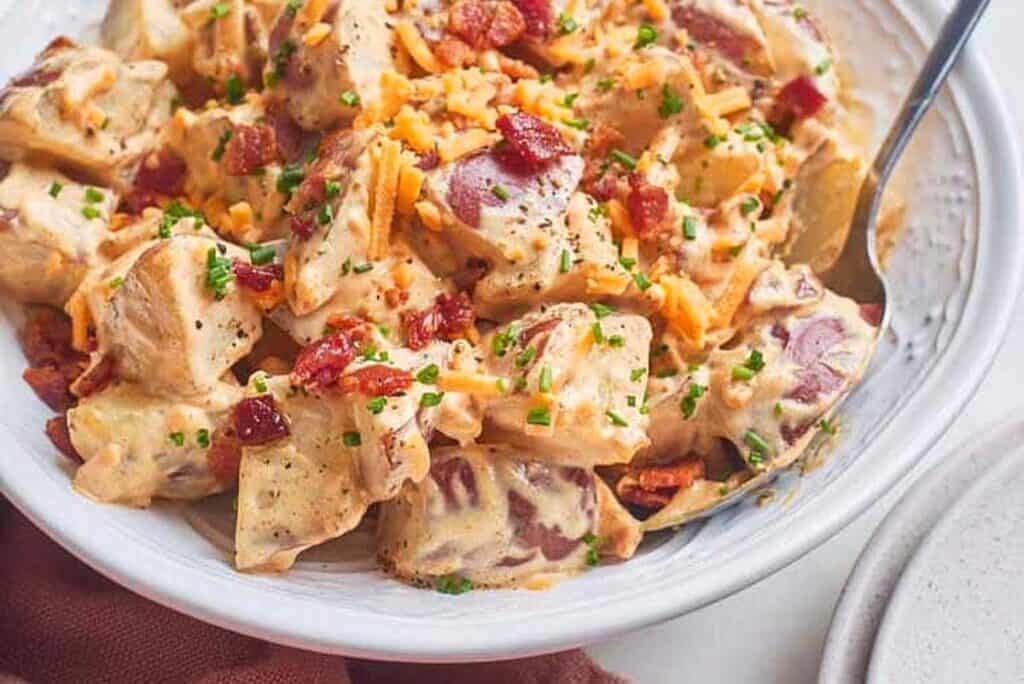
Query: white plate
x=956, y=275
x=957, y=613
x=871, y=586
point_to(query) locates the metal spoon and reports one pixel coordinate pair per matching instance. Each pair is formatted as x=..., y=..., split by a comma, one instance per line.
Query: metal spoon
x=856, y=272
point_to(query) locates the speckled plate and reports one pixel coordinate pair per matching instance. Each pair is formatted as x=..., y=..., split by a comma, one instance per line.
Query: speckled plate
x=955, y=272
x=863, y=605
x=957, y=612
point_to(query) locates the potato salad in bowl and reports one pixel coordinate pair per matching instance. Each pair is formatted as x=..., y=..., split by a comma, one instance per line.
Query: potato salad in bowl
x=499, y=280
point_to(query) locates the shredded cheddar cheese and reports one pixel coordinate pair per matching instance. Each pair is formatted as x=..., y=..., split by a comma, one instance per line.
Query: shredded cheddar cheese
x=430, y=215
x=464, y=144
x=728, y=101
x=316, y=34
x=744, y=273
x=686, y=309
x=410, y=184
x=384, y=197
x=657, y=10
x=417, y=47
x=414, y=128
x=475, y=384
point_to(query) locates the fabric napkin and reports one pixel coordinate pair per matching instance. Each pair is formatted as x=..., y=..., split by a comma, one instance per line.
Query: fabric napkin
x=62, y=622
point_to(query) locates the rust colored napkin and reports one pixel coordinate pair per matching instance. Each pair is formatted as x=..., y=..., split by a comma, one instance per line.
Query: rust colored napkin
x=62, y=622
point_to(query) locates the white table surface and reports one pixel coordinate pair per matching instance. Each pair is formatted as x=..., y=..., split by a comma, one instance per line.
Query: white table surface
x=774, y=632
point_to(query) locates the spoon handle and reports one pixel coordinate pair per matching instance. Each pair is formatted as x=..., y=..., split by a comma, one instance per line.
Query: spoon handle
x=944, y=54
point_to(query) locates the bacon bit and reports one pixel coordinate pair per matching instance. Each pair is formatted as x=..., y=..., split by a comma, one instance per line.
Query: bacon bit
x=534, y=141
x=50, y=385
x=97, y=378
x=35, y=77
x=137, y=201
x=336, y=157
x=485, y=24
x=538, y=16
x=454, y=52
x=257, y=278
x=376, y=381
x=161, y=172
x=303, y=225
x=647, y=205
x=395, y=297
x=450, y=317
x=645, y=499
x=46, y=339
x=322, y=362
x=252, y=147
x=348, y=323
x=536, y=329
x=257, y=421
x=58, y=432
x=224, y=457
x=871, y=314
x=679, y=475
x=798, y=99
x=600, y=183
x=429, y=161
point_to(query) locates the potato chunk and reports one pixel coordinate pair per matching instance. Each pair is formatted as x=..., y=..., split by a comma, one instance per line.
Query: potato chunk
x=84, y=108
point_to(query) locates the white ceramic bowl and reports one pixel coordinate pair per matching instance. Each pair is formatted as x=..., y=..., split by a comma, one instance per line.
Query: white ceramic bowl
x=956, y=274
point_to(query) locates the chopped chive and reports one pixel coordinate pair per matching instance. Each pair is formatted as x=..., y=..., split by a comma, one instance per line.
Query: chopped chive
x=501, y=193
x=671, y=103
x=431, y=399
x=822, y=68
x=260, y=255
x=589, y=65
x=569, y=100
x=90, y=213
x=502, y=385
x=565, y=263
x=631, y=401
x=712, y=141
x=755, y=442
x=690, y=228
x=363, y=268
x=177, y=438
x=624, y=159
x=453, y=585
x=616, y=419
x=376, y=405
x=502, y=341
x=606, y=84
x=222, y=145
x=352, y=439
x=429, y=375
x=325, y=216
x=742, y=373
x=750, y=205
x=598, y=332
x=219, y=273
x=203, y=438
x=115, y=282
x=667, y=373
x=601, y=310
x=539, y=416
x=259, y=383
x=778, y=409
x=580, y=124
x=637, y=373
x=689, y=403
x=235, y=89
x=827, y=427
x=627, y=263
x=332, y=189
x=521, y=382
x=755, y=361
x=566, y=24
x=642, y=282
x=55, y=189
x=220, y=10
x=291, y=177
x=646, y=36
x=544, y=384
x=92, y=195
x=593, y=543
x=350, y=99
x=616, y=341
x=526, y=356
x=799, y=13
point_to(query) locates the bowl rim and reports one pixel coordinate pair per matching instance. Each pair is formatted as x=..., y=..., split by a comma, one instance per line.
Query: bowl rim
x=243, y=607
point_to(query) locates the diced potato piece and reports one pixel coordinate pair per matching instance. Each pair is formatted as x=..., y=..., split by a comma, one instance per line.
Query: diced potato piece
x=138, y=447
x=165, y=326
x=82, y=107
x=497, y=516
x=576, y=384
x=310, y=78
x=149, y=29
x=50, y=231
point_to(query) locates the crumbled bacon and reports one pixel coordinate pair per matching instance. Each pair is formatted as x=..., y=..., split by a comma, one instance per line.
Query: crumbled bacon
x=872, y=314
x=224, y=457
x=376, y=381
x=303, y=225
x=654, y=487
x=257, y=278
x=454, y=52
x=58, y=432
x=470, y=274
x=599, y=182
x=603, y=139
x=96, y=378
x=336, y=157
x=450, y=317
x=534, y=141
x=137, y=201
x=322, y=362
x=647, y=205
x=256, y=421
x=537, y=15
x=798, y=99
x=251, y=147
x=51, y=386
x=161, y=172
x=486, y=24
